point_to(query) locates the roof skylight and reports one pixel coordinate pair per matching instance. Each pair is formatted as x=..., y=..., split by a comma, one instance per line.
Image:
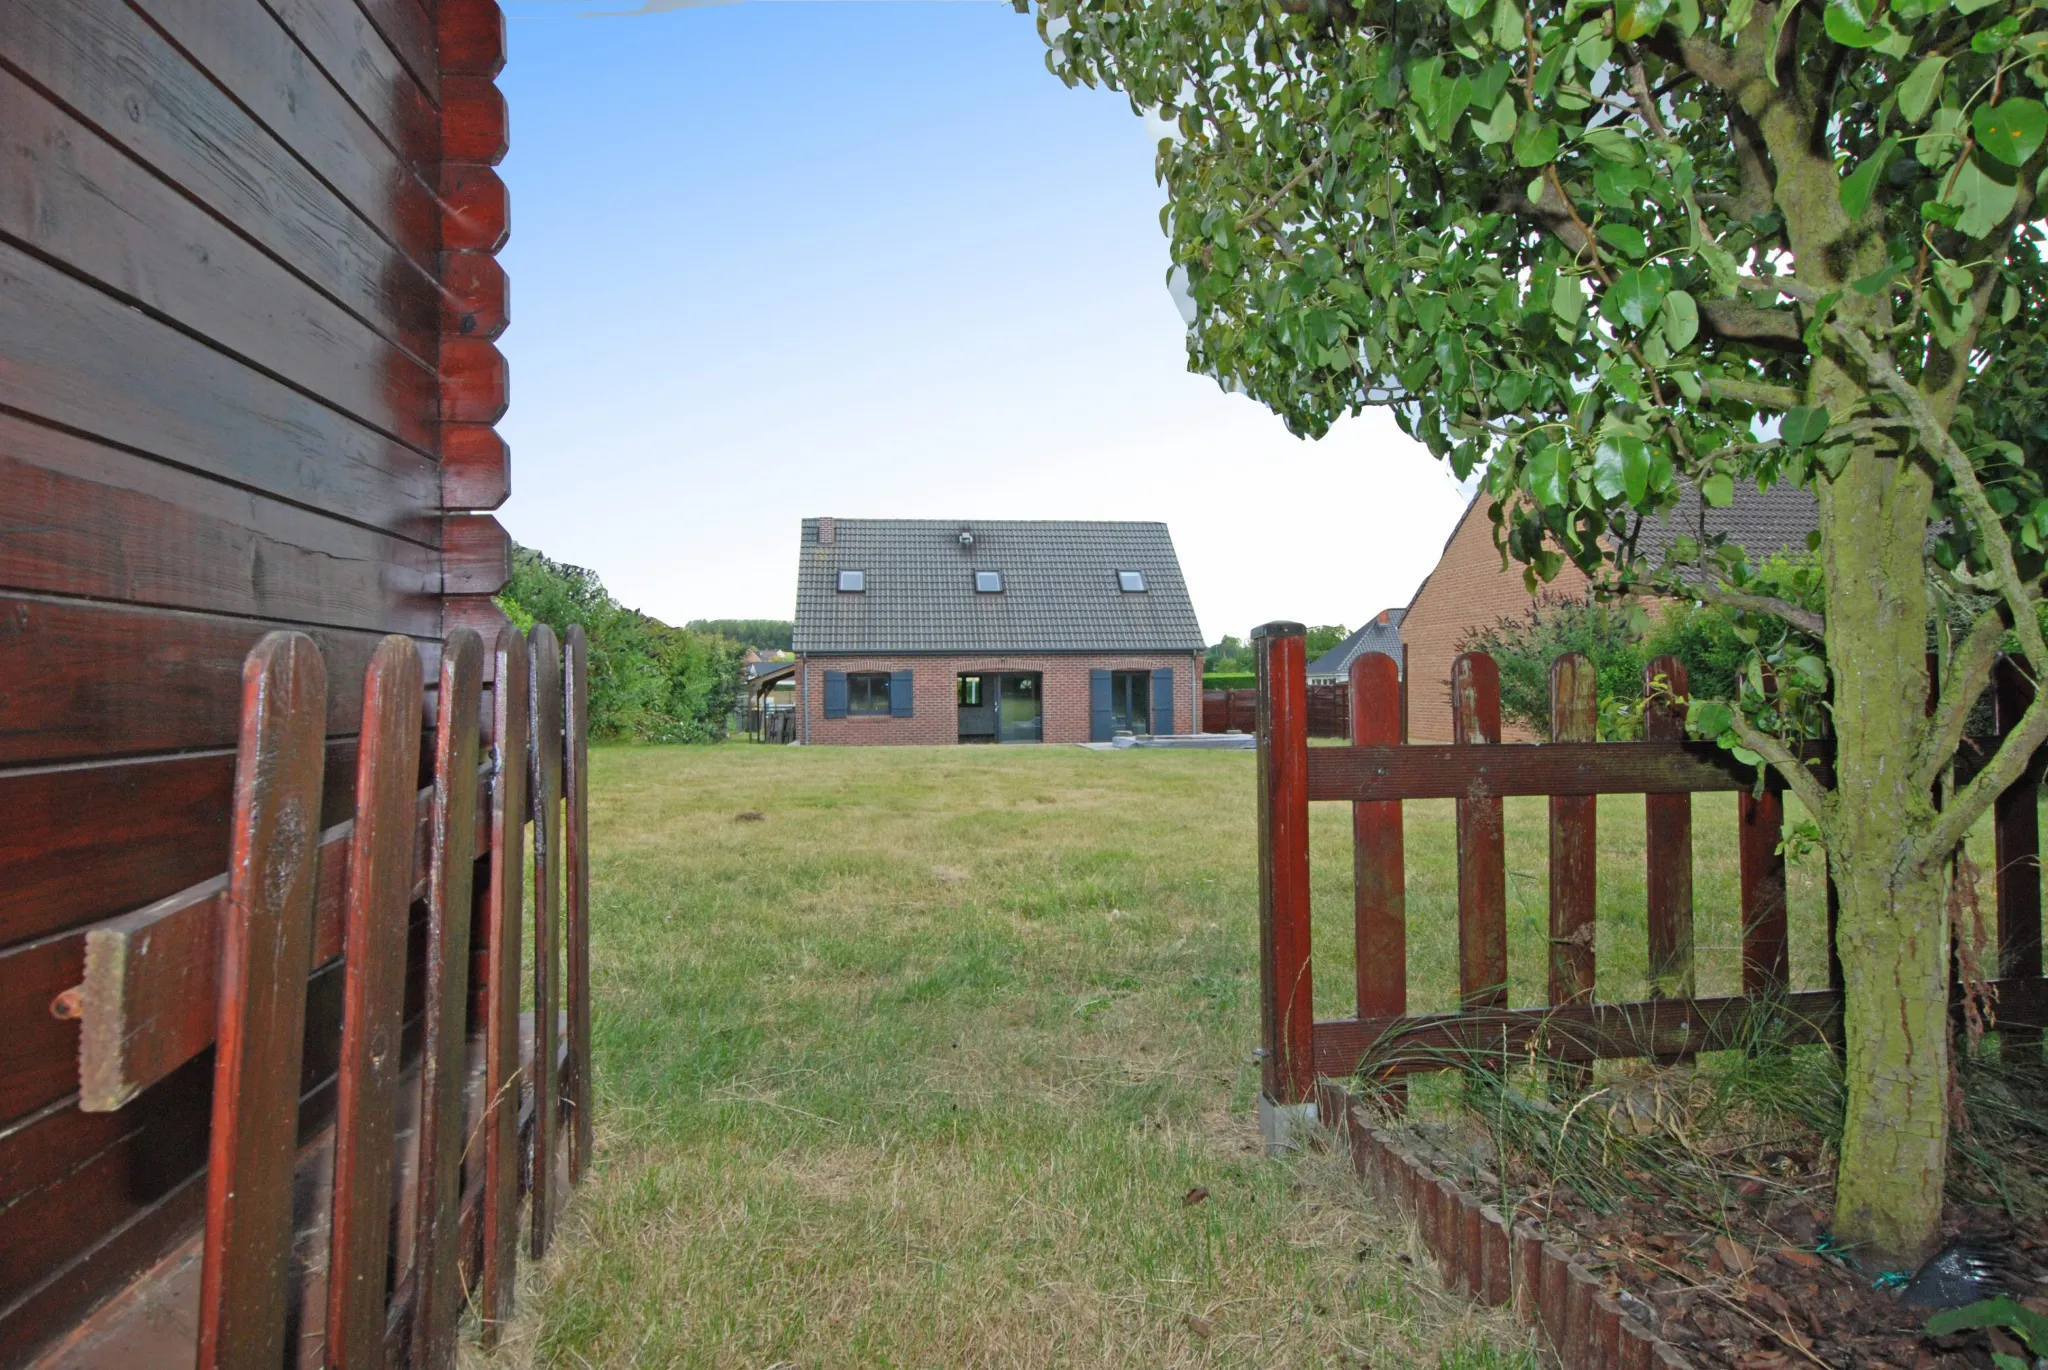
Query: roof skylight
x=853, y=582
x=988, y=582
x=1132, y=582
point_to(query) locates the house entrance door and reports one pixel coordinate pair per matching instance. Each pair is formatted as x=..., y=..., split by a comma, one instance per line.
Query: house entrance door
x=977, y=708
x=1020, y=715
x=1130, y=701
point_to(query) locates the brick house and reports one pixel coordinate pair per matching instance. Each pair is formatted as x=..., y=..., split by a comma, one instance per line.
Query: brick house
x=1469, y=589
x=940, y=631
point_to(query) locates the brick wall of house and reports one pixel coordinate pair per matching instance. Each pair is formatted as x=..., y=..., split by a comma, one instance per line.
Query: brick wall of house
x=935, y=713
x=1467, y=590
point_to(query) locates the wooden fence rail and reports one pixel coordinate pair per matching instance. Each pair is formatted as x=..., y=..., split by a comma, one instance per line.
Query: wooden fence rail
x=1379, y=770
x=443, y=1099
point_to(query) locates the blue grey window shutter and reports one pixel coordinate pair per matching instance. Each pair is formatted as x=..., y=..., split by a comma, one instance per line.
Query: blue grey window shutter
x=899, y=694
x=1162, y=700
x=1100, y=721
x=835, y=694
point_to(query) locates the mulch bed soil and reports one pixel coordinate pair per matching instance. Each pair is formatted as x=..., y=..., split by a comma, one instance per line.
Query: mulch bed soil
x=1762, y=1288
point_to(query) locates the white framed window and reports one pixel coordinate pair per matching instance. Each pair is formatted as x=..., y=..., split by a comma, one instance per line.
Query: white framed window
x=1131, y=582
x=988, y=582
x=853, y=582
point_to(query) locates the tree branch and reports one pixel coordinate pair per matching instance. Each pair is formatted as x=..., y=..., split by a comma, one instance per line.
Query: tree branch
x=1762, y=394
x=1805, y=620
x=1781, y=759
x=2016, y=753
x=1969, y=671
x=1739, y=322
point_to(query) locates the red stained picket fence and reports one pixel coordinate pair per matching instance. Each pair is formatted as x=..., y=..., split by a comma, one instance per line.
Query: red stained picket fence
x=1380, y=769
x=418, y=1116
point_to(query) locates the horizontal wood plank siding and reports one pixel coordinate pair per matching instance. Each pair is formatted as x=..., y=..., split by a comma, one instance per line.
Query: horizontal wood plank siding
x=105, y=64
x=248, y=299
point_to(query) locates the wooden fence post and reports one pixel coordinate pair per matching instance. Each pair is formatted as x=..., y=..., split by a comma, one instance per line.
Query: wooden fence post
x=437, y=1301
x=1668, y=844
x=1286, y=986
x=265, y=955
x=503, y=907
x=544, y=692
x=376, y=913
x=1574, y=837
x=1378, y=861
x=1482, y=855
x=576, y=851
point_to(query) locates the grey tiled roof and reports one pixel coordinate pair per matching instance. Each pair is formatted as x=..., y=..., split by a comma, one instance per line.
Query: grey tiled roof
x=1060, y=591
x=1375, y=636
x=1761, y=522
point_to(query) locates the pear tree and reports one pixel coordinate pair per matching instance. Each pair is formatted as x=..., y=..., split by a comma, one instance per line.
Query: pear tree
x=1600, y=249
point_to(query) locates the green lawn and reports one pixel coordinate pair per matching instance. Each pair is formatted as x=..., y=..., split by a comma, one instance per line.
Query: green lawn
x=919, y=1068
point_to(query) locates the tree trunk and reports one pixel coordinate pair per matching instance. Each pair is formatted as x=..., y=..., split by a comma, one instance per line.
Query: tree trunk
x=1893, y=933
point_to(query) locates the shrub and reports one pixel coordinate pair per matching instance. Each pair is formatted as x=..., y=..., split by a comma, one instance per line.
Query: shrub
x=649, y=682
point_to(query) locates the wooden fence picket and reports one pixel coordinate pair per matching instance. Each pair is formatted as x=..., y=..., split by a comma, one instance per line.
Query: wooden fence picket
x=1286, y=980
x=504, y=906
x=1668, y=841
x=1574, y=836
x=544, y=691
x=576, y=903
x=437, y=1303
x=266, y=943
x=378, y=905
x=1378, y=859
x=1766, y=945
x=1482, y=853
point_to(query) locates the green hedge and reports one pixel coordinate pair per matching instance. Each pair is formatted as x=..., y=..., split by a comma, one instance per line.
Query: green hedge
x=1229, y=680
x=649, y=682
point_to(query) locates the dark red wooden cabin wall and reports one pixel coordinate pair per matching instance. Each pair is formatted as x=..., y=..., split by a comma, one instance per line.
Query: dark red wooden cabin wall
x=247, y=380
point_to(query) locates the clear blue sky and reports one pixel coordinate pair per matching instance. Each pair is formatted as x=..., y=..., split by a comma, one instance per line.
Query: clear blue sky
x=772, y=260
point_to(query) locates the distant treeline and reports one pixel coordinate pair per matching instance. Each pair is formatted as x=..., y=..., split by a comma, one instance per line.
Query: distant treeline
x=767, y=634
x=649, y=682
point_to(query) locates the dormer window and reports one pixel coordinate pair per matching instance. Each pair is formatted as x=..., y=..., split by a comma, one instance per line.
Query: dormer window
x=853, y=582
x=1132, y=582
x=988, y=582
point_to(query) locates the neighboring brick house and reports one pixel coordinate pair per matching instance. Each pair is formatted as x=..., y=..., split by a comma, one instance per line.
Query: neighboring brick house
x=940, y=631
x=1469, y=589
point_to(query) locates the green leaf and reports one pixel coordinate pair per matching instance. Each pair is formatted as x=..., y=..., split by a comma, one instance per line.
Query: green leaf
x=1507, y=25
x=1718, y=490
x=1708, y=718
x=1920, y=89
x=1498, y=127
x=1535, y=141
x=1803, y=425
x=1621, y=466
x=1635, y=19
x=1636, y=295
x=2012, y=130
x=1568, y=300
x=1778, y=21
x=1465, y=9
x=1681, y=319
x=1614, y=145
x=1740, y=12
x=1624, y=238
x=1983, y=199
x=1846, y=26
x=1548, y=480
x=1999, y=1312
x=1858, y=184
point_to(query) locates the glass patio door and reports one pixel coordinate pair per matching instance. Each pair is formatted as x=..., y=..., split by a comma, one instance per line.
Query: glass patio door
x=1020, y=713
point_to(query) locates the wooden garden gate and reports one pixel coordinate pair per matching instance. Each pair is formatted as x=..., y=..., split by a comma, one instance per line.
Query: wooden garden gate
x=1379, y=769
x=350, y=1224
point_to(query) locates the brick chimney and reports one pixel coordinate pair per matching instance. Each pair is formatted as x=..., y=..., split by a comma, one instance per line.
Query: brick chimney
x=826, y=528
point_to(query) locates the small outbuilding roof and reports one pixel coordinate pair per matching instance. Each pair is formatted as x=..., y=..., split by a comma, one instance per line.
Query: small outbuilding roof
x=1762, y=523
x=1062, y=587
x=1381, y=633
